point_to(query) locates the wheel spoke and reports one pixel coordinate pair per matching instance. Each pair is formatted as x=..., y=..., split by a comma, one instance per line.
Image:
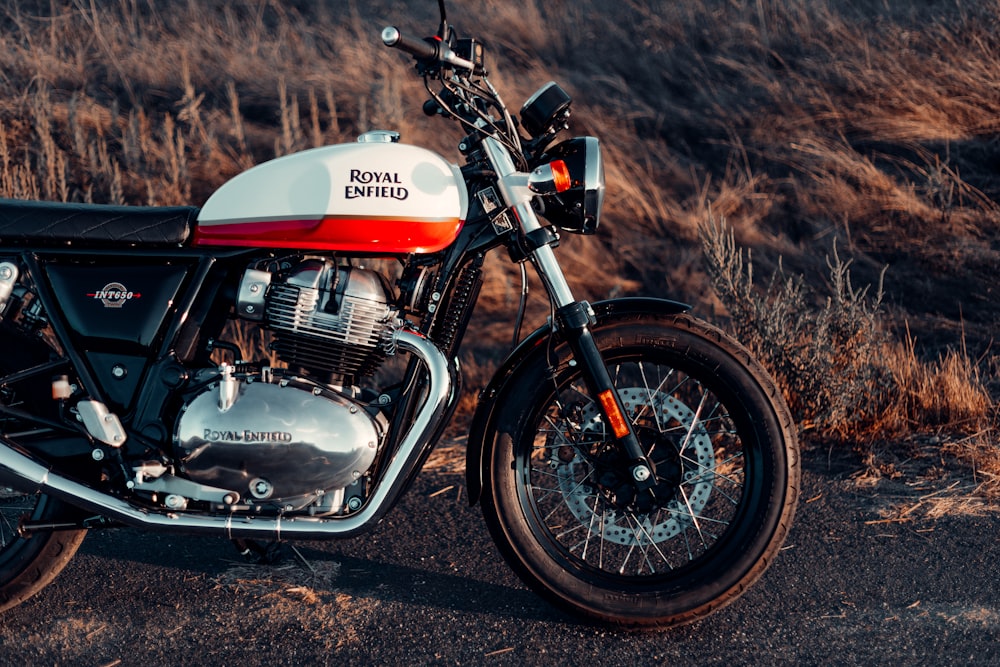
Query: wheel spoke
x=713, y=471
x=590, y=531
x=572, y=492
x=694, y=422
x=711, y=475
x=650, y=403
x=646, y=545
x=13, y=508
x=694, y=516
x=575, y=529
x=701, y=518
x=628, y=555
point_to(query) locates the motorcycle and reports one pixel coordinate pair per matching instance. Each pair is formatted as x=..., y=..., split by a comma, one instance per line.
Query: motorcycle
x=634, y=465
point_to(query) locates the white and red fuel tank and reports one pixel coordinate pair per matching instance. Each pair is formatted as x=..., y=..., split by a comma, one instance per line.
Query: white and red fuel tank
x=374, y=196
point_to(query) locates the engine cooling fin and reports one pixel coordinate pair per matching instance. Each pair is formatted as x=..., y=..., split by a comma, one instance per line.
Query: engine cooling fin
x=330, y=319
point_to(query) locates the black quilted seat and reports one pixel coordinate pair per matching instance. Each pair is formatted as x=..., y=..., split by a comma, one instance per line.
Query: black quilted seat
x=48, y=223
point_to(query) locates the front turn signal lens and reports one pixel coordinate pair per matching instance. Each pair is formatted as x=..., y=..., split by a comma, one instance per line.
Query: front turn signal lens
x=560, y=176
x=615, y=417
x=551, y=178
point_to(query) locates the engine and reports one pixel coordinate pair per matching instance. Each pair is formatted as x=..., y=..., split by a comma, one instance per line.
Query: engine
x=326, y=319
x=301, y=437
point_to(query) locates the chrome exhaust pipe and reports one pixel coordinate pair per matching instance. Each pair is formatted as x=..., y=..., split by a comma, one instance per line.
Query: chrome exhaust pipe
x=19, y=470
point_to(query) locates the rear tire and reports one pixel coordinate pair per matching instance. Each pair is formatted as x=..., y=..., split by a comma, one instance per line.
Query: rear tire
x=559, y=505
x=27, y=565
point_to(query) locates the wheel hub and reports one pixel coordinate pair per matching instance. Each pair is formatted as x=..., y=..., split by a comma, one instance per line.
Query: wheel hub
x=674, y=440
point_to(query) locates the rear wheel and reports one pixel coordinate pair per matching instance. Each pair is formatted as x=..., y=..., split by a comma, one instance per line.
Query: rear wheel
x=27, y=565
x=561, y=506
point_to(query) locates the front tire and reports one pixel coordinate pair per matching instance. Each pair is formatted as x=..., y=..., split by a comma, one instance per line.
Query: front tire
x=561, y=508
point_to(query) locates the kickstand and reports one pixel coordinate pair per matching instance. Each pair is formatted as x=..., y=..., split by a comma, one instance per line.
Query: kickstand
x=302, y=559
x=259, y=553
x=270, y=553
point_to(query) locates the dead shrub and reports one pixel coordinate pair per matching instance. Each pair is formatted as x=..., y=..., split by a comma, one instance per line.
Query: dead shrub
x=842, y=372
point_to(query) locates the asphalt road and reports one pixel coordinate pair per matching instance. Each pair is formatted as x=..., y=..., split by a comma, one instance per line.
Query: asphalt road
x=868, y=577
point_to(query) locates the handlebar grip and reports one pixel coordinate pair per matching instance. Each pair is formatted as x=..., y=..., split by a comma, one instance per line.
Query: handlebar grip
x=417, y=48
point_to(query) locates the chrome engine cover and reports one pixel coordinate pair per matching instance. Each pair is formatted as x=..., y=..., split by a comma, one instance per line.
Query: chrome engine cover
x=269, y=441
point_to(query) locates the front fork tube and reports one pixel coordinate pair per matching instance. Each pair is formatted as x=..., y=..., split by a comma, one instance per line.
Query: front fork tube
x=574, y=319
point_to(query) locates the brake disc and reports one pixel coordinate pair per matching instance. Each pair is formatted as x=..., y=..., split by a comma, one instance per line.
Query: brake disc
x=695, y=454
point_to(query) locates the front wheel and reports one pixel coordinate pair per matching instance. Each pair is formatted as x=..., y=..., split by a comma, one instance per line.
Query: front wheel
x=562, y=509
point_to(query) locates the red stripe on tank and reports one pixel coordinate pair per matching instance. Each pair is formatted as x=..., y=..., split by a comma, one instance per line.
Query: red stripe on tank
x=340, y=233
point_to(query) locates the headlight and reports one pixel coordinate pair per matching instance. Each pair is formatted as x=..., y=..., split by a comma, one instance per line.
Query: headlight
x=576, y=208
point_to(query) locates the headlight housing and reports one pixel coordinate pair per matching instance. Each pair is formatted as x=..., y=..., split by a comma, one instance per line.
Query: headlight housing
x=578, y=208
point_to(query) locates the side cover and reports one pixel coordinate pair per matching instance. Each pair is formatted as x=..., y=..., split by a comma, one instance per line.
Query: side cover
x=367, y=197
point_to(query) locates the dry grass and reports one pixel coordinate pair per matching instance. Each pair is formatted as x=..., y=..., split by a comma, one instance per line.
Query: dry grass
x=807, y=124
x=824, y=349
x=844, y=375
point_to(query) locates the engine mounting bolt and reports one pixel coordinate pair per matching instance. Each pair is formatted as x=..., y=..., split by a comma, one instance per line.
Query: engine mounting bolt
x=354, y=503
x=384, y=399
x=640, y=473
x=175, y=502
x=249, y=308
x=261, y=488
x=317, y=391
x=97, y=454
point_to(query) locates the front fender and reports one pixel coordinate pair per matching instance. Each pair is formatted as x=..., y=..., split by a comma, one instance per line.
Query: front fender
x=527, y=352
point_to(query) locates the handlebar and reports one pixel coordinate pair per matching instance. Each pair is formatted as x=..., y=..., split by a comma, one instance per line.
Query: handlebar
x=417, y=48
x=420, y=49
x=466, y=94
